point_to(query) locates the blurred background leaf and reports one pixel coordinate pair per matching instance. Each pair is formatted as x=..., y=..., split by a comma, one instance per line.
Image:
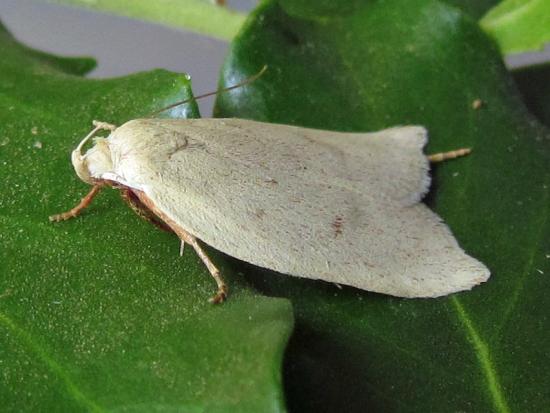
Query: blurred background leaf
x=519, y=25
x=201, y=16
x=475, y=8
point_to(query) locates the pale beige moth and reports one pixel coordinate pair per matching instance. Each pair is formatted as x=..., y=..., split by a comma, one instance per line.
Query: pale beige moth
x=339, y=207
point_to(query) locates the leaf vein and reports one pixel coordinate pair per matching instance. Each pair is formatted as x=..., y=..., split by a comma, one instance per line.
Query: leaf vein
x=484, y=357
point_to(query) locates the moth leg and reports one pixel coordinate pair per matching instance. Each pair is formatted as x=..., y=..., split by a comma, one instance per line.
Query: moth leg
x=443, y=156
x=223, y=290
x=186, y=237
x=84, y=202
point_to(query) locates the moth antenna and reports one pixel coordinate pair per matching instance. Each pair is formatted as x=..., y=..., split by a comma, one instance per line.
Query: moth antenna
x=227, y=89
x=97, y=126
x=78, y=151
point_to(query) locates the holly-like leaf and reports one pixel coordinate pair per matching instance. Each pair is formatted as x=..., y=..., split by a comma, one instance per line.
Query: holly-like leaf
x=519, y=25
x=100, y=313
x=416, y=62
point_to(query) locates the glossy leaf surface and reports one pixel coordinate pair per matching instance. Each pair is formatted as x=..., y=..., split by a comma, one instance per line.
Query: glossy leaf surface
x=417, y=62
x=100, y=313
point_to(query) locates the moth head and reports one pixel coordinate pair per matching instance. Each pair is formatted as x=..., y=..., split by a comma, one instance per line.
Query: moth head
x=96, y=161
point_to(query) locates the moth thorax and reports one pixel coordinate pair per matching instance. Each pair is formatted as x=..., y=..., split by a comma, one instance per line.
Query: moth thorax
x=94, y=163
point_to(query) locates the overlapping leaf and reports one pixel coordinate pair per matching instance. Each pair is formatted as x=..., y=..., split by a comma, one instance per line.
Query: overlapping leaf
x=417, y=62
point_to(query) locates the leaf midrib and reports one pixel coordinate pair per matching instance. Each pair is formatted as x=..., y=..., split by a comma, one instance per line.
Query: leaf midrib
x=481, y=350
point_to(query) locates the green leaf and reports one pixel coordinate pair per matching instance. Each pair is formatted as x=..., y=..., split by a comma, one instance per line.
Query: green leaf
x=319, y=9
x=534, y=84
x=475, y=8
x=519, y=25
x=100, y=313
x=201, y=16
x=416, y=62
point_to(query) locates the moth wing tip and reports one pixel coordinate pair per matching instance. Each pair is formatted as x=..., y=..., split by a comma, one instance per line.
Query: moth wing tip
x=463, y=280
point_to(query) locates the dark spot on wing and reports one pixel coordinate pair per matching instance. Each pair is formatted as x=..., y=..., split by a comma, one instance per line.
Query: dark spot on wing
x=337, y=225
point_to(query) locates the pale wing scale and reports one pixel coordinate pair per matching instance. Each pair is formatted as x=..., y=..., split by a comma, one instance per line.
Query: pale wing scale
x=324, y=205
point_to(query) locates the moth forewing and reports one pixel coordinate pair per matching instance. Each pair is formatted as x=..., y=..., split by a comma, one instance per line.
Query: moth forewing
x=341, y=207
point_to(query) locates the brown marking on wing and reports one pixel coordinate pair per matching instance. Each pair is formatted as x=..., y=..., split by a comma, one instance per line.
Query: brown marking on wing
x=337, y=225
x=260, y=213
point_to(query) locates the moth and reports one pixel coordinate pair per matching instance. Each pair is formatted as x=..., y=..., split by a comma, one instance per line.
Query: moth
x=340, y=207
